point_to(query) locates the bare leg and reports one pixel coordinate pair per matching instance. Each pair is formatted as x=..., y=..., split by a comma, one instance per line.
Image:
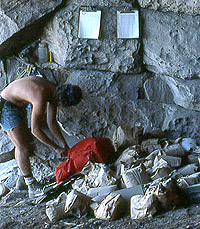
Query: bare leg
x=19, y=137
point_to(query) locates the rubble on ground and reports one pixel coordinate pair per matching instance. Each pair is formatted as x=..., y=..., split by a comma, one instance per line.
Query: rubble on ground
x=3, y=189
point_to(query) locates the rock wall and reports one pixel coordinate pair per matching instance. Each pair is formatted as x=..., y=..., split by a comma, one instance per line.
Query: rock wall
x=170, y=44
x=176, y=6
x=107, y=53
x=152, y=81
x=19, y=22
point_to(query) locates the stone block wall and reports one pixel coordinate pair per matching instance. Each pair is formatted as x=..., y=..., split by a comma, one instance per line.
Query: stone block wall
x=106, y=53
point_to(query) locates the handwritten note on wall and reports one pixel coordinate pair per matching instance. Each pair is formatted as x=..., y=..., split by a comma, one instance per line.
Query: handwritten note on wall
x=89, y=24
x=128, y=24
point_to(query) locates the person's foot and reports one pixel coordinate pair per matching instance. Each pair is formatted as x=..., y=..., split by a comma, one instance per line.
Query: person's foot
x=34, y=188
x=20, y=184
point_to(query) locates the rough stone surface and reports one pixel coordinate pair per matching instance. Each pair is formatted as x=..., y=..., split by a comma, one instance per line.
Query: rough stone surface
x=176, y=6
x=171, y=90
x=132, y=100
x=104, y=104
x=2, y=75
x=5, y=143
x=17, y=15
x=107, y=53
x=106, y=3
x=171, y=44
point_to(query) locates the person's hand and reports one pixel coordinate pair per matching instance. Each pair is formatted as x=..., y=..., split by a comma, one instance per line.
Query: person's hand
x=61, y=151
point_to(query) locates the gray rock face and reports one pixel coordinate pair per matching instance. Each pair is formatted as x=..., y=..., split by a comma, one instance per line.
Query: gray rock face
x=171, y=44
x=144, y=100
x=5, y=144
x=108, y=101
x=106, y=3
x=183, y=93
x=16, y=16
x=107, y=53
x=176, y=6
x=2, y=75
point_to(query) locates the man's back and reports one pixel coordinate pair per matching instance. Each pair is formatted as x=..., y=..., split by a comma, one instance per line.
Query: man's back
x=29, y=90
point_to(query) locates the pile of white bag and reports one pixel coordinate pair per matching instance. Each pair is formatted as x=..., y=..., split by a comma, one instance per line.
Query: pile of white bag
x=148, y=178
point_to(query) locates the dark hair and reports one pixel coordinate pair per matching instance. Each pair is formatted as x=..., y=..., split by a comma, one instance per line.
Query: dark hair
x=68, y=95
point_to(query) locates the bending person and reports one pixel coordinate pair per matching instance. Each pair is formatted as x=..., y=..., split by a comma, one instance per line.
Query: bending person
x=45, y=97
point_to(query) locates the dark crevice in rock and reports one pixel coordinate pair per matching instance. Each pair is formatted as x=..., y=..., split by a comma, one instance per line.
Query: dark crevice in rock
x=27, y=35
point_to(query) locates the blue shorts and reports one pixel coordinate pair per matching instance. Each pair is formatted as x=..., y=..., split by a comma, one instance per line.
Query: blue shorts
x=12, y=116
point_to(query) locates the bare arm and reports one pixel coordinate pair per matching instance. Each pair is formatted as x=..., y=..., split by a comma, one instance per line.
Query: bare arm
x=53, y=124
x=36, y=120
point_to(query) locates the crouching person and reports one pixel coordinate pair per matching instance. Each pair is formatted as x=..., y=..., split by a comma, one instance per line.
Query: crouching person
x=45, y=97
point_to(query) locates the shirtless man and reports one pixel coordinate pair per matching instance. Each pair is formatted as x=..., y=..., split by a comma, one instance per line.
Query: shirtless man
x=43, y=95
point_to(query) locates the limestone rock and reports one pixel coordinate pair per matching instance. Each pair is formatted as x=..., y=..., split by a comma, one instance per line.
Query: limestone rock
x=166, y=89
x=166, y=51
x=3, y=189
x=6, y=146
x=107, y=53
x=184, y=6
x=16, y=16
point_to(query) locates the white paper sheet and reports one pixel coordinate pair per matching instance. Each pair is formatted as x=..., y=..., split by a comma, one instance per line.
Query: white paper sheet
x=89, y=24
x=128, y=24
